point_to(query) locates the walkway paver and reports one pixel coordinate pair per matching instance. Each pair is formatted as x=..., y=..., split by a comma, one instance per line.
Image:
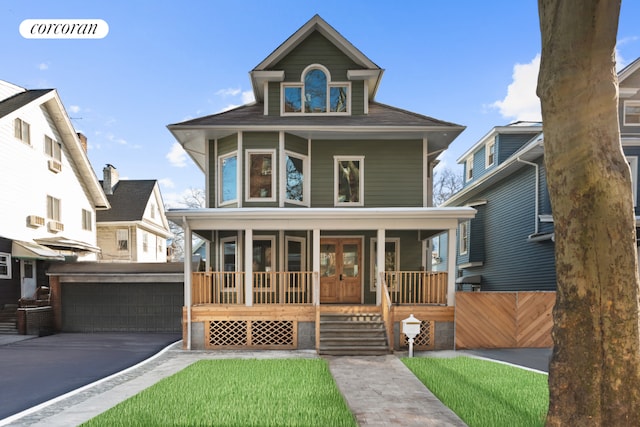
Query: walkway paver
x=382, y=391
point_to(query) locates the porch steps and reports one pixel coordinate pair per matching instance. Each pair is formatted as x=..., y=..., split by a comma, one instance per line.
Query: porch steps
x=361, y=334
x=9, y=320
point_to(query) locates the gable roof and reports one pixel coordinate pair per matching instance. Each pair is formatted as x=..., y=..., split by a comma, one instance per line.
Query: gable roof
x=264, y=71
x=629, y=70
x=128, y=201
x=19, y=100
x=382, y=122
x=50, y=100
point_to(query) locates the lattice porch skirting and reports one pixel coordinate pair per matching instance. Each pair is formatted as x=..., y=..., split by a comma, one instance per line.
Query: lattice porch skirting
x=251, y=334
x=425, y=339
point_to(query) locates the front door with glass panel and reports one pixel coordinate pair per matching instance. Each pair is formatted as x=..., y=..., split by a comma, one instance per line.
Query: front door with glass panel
x=28, y=278
x=340, y=270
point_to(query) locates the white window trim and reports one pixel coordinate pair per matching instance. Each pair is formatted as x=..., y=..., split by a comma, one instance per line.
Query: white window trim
x=633, y=165
x=305, y=178
x=54, y=208
x=145, y=242
x=87, y=220
x=337, y=159
x=220, y=185
x=463, y=237
x=247, y=175
x=7, y=262
x=624, y=112
x=486, y=153
x=303, y=251
x=373, y=280
x=468, y=170
x=330, y=84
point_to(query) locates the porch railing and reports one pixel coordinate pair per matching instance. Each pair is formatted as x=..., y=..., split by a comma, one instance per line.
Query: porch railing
x=386, y=310
x=269, y=287
x=417, y=287
x=285, y=287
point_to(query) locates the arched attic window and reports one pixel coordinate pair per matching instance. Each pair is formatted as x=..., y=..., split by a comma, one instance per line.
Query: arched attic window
x=316, y=94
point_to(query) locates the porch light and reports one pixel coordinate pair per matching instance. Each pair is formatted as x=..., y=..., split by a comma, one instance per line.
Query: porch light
x=411, y=328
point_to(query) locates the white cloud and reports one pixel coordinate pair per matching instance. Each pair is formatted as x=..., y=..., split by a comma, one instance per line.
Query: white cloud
x=228, y=92
x=167, y=183
x=74, y=109
x=227, y=108
x=111, y=137
x=521, y=101
x=177, y=156
x=247, y=97
x=43, y=66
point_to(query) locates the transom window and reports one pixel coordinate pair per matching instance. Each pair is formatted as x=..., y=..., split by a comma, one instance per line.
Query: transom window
x=316, y=94
x=349, y=181
x=631, y=113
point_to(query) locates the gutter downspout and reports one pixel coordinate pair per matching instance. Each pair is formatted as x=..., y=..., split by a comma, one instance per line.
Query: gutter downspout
x=537, y=195
x=187, y=276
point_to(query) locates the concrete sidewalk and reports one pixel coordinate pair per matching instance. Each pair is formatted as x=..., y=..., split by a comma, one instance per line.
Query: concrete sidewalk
x=380, y=390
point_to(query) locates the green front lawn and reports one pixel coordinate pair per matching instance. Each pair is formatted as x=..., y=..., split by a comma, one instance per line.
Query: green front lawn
x=485, y=393
x=237, y=392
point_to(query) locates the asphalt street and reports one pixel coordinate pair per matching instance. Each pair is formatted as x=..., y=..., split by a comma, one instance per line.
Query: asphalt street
x=36, y=370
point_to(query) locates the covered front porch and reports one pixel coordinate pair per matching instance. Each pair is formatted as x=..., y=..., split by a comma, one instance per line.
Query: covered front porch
x=272, y=273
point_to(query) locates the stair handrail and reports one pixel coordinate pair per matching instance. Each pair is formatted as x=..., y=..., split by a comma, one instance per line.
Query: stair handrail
x=386, y=309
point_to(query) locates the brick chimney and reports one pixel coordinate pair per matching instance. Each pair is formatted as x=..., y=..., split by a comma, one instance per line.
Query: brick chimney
x=83, y=141
x=111, y=178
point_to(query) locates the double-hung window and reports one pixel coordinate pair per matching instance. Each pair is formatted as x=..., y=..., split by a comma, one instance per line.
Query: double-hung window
x=349, y=181
x=228, y=178
x=260, y=175
x=631, y=113
x=87, y=220
x=52, y=148
x=463, y=238
x=122, y=239
x=469, y=169
x=295, y=184
x=22, y=131
x=5, y=265
x=53, y=208
x=490, y=153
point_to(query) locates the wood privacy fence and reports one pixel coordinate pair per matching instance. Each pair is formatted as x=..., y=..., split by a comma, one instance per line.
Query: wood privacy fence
x=504, y=319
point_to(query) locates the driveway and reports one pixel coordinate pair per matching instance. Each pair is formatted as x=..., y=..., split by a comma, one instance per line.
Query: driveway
x=39, y=369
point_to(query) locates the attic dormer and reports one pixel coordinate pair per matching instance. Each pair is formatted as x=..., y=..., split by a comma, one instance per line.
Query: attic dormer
x=316, y=72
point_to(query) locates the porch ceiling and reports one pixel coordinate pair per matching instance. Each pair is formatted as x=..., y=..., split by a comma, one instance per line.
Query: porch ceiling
x=321, y=218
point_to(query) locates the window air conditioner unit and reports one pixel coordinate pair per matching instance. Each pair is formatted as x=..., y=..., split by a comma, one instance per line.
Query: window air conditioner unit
x=55, y=166
x=35, y=221
x=56, y=226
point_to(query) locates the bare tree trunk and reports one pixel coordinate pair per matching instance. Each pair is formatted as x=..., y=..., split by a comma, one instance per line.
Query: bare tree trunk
x=594, y=376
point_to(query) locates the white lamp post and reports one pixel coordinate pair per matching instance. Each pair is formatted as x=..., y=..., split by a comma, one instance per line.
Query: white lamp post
x=411, y=328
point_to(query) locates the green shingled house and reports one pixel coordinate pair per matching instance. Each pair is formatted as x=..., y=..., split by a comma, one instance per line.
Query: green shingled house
x=301, y=186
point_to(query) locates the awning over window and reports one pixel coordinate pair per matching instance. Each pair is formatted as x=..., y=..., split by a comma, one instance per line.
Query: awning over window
x=30, y=250
x=62, y=243
x=476, y=278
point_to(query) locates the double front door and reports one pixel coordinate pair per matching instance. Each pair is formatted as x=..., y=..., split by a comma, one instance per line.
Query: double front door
x=340, y=270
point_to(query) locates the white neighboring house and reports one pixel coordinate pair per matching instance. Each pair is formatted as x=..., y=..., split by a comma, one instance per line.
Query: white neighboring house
x=135, y=229
x=49, y=193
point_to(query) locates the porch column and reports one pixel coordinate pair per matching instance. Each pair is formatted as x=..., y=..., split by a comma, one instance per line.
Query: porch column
x=248, y=267
x=187, y=276
x=316, y=266
x=380, y=263
x=451, y=267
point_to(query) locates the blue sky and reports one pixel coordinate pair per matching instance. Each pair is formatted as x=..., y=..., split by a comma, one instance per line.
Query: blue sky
x=469, y=62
